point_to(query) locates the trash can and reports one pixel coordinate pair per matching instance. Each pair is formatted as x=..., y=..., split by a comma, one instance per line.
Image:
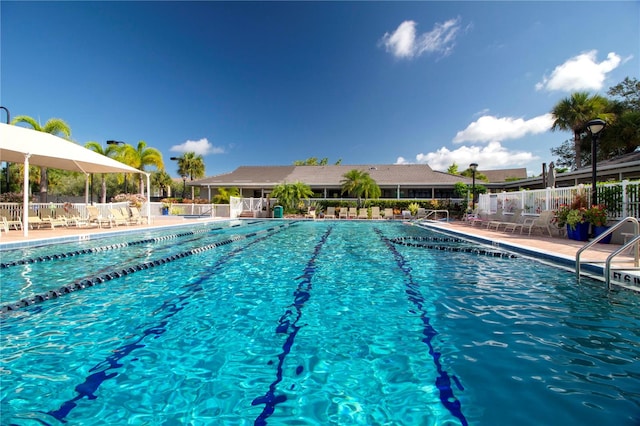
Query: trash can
x=277, y=212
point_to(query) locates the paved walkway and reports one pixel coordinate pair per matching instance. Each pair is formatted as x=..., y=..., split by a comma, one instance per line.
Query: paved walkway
x=559, y=250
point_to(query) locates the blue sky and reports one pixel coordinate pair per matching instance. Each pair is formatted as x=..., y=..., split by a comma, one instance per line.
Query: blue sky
x=268, y=83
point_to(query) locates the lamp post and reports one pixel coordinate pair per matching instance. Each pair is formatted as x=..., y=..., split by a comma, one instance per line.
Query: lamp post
x=594, y=127
x=473, y=167
x=125, y=175
x=7, y=163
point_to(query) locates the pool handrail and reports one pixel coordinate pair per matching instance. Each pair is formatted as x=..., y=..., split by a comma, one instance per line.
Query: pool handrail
x=636, y=233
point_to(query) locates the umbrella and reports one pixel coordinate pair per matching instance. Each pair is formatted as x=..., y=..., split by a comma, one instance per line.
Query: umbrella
x=552, y=175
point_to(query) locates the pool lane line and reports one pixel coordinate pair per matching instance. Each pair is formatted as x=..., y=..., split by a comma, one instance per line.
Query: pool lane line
x=104, y=277
x=288, y=324
x=406, y=241
x=100, y=372
x=412, y=289
x=114, y=246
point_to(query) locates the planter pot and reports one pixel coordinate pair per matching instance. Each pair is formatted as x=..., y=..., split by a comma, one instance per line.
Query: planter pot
x=597, y=230
x=580, y=233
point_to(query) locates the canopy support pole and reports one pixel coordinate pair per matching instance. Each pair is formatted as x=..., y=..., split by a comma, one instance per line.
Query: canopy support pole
x=25, y=197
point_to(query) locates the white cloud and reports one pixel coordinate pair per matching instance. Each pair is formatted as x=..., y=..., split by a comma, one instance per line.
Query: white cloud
x=491, y=156
x=489, y=128
x=581, y=72
x=403, y=42
x=200, y=147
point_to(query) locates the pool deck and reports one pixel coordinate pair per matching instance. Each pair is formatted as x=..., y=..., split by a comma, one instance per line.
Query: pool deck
x=559, y=250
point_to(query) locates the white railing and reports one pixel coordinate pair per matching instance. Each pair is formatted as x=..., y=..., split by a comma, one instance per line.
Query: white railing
x=156, y=208
x=622, y=199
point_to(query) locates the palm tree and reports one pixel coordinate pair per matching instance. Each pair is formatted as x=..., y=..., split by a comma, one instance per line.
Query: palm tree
x=54, y=126
x=289, y=195
x=191, y=165
x=359, y=183
x=140, y=157
x=224, y=195
x=162, y=180
x=574, y=112
x=110, y=151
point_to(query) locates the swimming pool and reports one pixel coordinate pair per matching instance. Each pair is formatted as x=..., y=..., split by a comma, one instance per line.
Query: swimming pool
x=310, y=322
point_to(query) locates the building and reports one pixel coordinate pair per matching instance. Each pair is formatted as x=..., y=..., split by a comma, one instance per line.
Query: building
x=400, y=181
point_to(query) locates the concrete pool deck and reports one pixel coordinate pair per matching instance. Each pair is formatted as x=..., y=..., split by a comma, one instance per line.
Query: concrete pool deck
x=555, y=249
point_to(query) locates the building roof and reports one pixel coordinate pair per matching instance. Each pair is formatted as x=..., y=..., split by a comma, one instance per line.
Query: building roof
x=331, y=175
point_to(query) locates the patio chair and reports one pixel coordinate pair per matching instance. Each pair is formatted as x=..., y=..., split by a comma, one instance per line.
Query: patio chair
x=363, y=213
x=388, y=213
x=35, y=221
x=375, y=213
x=542, y=222
x=50, y=217
x=343, y=213
x=96, y=217
x=4, y=225
x=311, y=213
x=12, y=221
x=510, y=222
x=331, y=213
x=136, y=216
x=117, y=217
x=352, y=213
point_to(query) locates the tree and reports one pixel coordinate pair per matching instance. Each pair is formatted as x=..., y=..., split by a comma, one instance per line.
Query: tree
x=140, y=157
x=54, y=126
x=359, y=183
x=110, y=151
x=224, y=195
x=629, y=92
x=453, y=169
x=574, y=112
x=192, y=166
x=289, y=195
x=162, y=180
x=313, y=161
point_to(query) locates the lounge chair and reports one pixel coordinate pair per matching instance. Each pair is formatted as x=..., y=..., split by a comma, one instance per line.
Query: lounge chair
x=117, y=217
x=12, y=222
x=363, y=213
x=311, y=213
x=4, y=225
x=343, y=213
x=542, y=222
x=331, y=213
x=50, y=217
x=96, y=217
x=352, y=213
x=388, y=213
x=510, y=222
x=35, y=221
x=375, y=213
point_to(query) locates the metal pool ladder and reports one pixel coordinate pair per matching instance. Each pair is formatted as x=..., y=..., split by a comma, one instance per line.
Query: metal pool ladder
x=634, y=243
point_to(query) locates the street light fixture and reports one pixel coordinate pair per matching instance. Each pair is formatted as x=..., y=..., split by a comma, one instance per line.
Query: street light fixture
x=473, y=167
x=595, y=127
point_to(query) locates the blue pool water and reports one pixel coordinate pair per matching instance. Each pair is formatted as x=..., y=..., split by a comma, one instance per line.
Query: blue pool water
x=325, y=322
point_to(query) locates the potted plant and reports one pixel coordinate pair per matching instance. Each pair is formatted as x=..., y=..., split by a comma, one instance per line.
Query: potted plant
x=597, y=216
x=413, y=208
x=573, y=216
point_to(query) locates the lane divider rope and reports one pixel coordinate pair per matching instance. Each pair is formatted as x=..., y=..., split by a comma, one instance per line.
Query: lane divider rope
x=99, y=279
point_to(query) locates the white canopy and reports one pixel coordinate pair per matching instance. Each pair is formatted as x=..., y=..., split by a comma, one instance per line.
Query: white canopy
x=22, y=145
